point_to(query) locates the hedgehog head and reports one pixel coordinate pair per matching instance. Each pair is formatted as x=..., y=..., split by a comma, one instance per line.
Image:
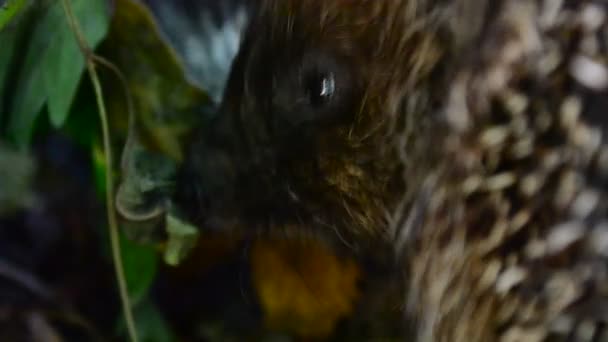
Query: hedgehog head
x=305, y=136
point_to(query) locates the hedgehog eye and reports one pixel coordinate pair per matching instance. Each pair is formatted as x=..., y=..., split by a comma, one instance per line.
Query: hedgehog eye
x=320, y=88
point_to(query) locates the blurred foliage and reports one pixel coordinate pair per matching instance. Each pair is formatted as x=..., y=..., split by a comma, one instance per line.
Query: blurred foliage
x=167, y=105
x=140, y=269
x=182, y=239
x=151, y=325
x=8, y=37
x=16, y=173
x=8, y=10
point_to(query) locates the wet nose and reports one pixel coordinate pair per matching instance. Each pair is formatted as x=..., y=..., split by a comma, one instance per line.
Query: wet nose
x=190, y=197
x=207, y=176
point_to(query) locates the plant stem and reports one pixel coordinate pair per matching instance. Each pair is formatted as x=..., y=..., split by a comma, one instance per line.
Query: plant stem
x=112, y=222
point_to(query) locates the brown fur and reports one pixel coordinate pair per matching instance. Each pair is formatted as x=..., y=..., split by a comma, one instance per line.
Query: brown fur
x=463, y=146
x=358, y=174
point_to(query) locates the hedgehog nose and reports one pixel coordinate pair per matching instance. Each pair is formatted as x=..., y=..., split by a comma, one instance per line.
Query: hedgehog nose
x=207, y=176
x=189, y=198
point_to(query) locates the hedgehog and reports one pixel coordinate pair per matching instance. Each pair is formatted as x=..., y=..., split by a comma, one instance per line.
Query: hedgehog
x=467, y=135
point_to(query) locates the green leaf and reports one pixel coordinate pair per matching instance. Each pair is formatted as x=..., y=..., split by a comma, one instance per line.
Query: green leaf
x=147, y=181
x=82, y=125
x=150, y=324
x=64, y=62
x=8, y=38
x=182, y=238
x=9, y=10
x=33, y=86
x=139, y=264
x=28, y=101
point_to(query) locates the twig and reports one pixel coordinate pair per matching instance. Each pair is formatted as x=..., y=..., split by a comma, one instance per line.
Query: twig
x=112, y=222
x=114, y=237
x=25, y=279
x=31, y=283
